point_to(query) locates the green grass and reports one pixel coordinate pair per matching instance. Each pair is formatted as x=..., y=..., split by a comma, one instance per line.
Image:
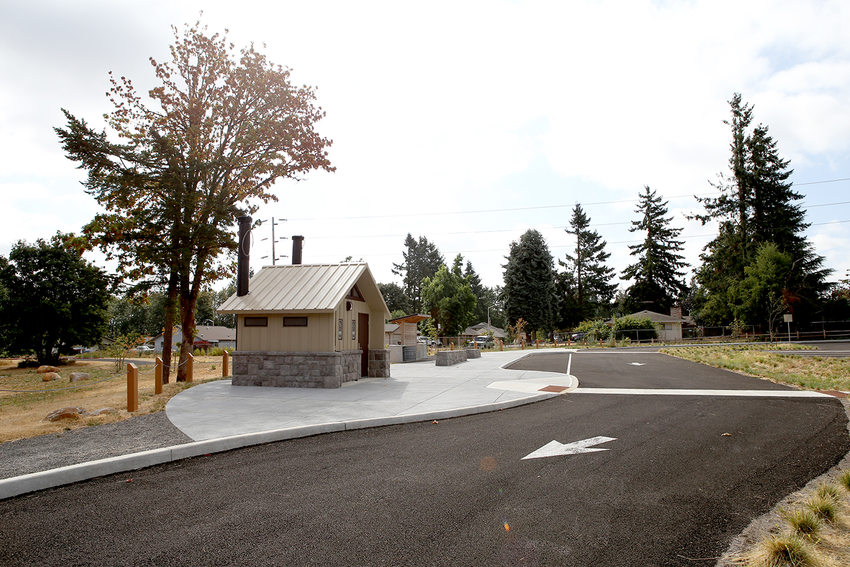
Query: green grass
x=815, y=373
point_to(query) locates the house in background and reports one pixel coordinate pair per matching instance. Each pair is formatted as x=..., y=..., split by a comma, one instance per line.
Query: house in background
x=483, y=329
x=207, y=336
x=308, y=325
x=669, y=327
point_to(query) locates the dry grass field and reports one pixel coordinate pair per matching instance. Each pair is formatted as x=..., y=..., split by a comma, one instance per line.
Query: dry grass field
x=25, y=400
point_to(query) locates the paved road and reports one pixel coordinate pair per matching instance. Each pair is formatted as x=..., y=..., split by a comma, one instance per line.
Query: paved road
x=683, y=475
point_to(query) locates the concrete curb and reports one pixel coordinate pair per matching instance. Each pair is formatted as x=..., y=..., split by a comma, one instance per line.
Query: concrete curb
x=18, y=485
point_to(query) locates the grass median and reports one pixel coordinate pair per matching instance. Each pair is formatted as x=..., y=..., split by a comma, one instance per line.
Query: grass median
x=763, y=361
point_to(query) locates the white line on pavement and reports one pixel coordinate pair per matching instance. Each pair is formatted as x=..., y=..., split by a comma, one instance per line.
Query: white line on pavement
x=720, y=393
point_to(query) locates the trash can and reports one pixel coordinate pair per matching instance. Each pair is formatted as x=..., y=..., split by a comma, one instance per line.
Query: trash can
x=408, y=353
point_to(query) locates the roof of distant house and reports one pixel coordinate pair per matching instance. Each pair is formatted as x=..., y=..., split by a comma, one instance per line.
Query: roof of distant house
x=482, y=329
x=210, y=333
x=656, y=317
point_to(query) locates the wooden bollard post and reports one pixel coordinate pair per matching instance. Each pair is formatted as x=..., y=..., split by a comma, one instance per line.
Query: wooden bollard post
x=132, y=387
x=501, y=345
x=190, y=362
x=157, y=376
x=225, y=364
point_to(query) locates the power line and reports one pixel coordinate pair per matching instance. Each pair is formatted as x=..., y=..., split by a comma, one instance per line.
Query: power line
x=503, y=230
x=824, y=181
x=540, y=207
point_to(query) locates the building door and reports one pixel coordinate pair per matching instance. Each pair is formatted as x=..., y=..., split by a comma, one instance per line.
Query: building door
x=363, y=342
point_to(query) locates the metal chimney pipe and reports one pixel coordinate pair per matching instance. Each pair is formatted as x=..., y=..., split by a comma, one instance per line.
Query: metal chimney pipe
x=296, y=249
x=244, y=256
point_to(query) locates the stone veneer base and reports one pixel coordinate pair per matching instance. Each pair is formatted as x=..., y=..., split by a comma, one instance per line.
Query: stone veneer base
x=305, y=369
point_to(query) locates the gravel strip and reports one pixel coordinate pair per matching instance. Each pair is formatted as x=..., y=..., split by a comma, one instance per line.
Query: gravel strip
x=45, y=452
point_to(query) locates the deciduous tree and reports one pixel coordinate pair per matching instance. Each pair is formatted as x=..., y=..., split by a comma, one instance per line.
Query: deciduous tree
x=205, y=147
x=449, y=300
x=53, y=299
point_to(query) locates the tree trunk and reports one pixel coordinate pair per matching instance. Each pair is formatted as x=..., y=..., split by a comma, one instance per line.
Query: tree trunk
x=167, y=333
x=187, y=325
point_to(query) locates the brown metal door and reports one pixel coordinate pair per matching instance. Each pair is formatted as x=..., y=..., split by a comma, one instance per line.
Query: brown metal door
x=363, y=342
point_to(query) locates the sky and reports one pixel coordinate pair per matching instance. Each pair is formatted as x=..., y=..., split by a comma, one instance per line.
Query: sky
x=467, y=122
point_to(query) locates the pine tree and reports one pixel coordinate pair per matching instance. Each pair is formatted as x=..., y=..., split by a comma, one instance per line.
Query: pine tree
x=530, y=282
x=657, y=273
x=586, y=285
x=757, y=205
x=422, y=260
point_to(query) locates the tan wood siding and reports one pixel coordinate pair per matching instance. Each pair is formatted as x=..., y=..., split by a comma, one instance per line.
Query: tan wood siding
x=317, y=336
x=348, y=317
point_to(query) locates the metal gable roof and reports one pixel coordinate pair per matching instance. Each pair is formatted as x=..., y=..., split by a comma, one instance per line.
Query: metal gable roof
x=301, y=287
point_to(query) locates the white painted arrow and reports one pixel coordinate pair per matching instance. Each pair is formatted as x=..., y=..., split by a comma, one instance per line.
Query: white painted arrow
x=555, y=449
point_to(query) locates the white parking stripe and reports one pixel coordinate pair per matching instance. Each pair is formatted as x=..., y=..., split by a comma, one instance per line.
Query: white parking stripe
x=719, y=393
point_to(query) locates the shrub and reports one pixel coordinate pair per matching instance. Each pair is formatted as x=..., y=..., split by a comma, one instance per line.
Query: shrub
x=634, y=328
x=594, y=330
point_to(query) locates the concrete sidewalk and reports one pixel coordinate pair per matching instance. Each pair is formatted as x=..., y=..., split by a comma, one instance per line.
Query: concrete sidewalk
x=220, y=417
x=414, y=392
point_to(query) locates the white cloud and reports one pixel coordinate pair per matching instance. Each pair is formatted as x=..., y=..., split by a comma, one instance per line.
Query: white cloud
x=455, y=106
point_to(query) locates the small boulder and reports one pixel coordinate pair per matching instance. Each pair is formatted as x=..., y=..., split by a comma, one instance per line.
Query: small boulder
x=77, y=376
x=50, y=376
x=103, y=411
x=45, y=369
x=65, y=413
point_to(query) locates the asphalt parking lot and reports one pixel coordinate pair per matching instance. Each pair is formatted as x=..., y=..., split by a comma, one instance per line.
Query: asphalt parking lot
x=678, y=479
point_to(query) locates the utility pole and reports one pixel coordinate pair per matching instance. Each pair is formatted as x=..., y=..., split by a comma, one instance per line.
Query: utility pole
x=274, y=255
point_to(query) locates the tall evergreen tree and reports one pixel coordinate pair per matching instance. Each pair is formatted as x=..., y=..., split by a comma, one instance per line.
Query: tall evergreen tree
x=487, y=298
x=421, y=260
x=586, y=284
x=657, y=273
x=756, y=205
x=530, y=282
